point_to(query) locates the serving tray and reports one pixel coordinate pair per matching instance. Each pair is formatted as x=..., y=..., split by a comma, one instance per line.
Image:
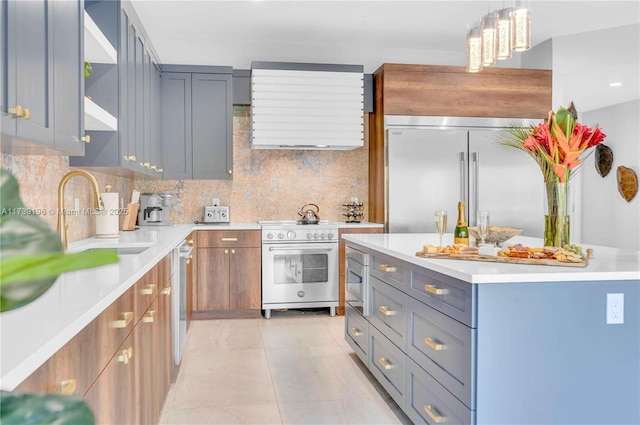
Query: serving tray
x=511, y=260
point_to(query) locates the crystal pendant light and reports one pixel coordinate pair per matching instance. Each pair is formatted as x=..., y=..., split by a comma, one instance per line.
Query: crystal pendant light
x=521, y=26
x=474, y=49
x=489, y=39
x=503, y=34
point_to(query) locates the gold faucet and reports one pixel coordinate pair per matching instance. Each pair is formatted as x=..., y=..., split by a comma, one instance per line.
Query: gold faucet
x=97, y=202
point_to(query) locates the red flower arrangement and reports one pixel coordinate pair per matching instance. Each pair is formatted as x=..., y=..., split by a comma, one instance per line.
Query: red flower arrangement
x=558, y=145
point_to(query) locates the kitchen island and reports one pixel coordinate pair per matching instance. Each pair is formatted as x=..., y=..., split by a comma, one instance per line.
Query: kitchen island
x=476, y=342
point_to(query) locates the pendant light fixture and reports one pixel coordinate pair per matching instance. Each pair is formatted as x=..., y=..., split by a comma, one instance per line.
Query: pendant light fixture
x=503, y=34
x=521, y=26
x=474, y=49
x=489, y=39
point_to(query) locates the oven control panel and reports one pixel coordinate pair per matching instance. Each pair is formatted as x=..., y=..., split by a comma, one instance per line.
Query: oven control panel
x=307, y=235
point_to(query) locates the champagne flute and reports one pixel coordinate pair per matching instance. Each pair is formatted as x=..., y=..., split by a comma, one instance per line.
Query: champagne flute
x=441, y=222
x=483, y=225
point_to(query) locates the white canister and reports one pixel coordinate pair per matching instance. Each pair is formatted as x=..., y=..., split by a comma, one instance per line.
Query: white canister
x=108, y=220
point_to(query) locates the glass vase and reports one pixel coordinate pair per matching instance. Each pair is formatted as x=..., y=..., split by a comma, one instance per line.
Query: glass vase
x=556, y=222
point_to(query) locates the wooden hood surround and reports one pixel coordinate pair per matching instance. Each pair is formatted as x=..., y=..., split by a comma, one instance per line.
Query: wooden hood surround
x=433, y=90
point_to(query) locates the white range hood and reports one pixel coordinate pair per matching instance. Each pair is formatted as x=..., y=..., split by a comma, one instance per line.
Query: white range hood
x=307, y=106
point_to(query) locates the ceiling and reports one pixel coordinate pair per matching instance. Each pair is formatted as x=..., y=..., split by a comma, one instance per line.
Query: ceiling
x=234, y=33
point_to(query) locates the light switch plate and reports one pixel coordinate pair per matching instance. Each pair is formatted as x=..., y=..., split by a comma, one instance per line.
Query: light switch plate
x=615, y=309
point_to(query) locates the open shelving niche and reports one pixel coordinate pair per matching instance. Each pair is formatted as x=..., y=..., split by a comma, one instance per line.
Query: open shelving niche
x=97, y=49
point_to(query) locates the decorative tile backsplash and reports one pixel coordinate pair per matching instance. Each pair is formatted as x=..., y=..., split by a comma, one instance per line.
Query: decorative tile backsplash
x=272, y=184
x=39, y=177
x=266, y=185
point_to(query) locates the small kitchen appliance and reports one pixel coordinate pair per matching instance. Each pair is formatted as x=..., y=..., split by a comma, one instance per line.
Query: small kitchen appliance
x=154, y=209
x=299, y=265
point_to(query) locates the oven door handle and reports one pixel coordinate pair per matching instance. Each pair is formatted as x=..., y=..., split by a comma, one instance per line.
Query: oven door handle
x=306, y=250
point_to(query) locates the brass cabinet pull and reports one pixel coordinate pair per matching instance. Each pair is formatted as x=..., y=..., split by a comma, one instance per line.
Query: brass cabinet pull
x=233, y=251
x=435, y=290
x=160, y=170
x=146, y=165
x=27, y=114
x=386, y=364
x=355, y=331
x=17, y=111
x=86, y=139
x=229, y=171
x=154, y=168
x=226, y=251
x=130, y=158
x=190, y=242
x=149, y=290
x=166, y=291
x=125, y=319
x=433, y=344
x=385, y=310
x=434, y=414
x=68, y=386
x=387, y=269
x=125, y=355
x=149, y=317
x=229, y=239
x=189, y=260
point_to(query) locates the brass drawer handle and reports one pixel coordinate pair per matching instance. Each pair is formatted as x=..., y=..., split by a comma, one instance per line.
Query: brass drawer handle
x=166, y=291
x=433, y=344
x=149, y=317
x=386, y=364
x=189, y=259
x=125, y=319
x=190, y=242
x=86, y=139
x=355, y=331
x=229, y=239
x=385, y=310
x=233, y=251
x=68, y=386
x=125, y=355
x=27, y=114
x=435, y=290
x=434, y=414
x=387, y=269
x=149, y=290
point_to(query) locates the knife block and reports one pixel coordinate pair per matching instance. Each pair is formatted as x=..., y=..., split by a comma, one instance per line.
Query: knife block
x=131, y=217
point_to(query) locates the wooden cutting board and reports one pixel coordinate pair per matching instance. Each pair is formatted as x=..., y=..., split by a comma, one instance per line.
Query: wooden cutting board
x=512, y=260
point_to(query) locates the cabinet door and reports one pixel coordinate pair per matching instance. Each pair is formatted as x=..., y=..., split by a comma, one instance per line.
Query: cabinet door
x=28, y=39
x=68, y=81
x=123, y=102
x=131, y=98
x=146, y=109
x=176, y=125
x=165, y=343
x=213, y=278
x=245, y=278
x=138, y=101
x=212, y=121
x=112, y=397
x=148, y=362
x=155, y=154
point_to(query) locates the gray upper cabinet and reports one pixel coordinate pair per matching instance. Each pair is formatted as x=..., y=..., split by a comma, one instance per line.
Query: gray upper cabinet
x=127, y=92
x=40, y=90
x=197, y=122
x=68, y=76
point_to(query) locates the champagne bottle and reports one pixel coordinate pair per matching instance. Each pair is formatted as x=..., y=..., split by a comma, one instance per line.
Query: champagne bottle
x=461, y=232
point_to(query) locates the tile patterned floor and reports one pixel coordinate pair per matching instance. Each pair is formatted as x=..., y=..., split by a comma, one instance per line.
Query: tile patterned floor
x=295, y=368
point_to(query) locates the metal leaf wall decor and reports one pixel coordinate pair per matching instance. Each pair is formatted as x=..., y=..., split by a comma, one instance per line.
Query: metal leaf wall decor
x=604, y=159
x=627, y=183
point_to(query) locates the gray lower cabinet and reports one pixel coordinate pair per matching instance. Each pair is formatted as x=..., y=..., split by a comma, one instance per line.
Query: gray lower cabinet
x=41, y=89
x=197, y=122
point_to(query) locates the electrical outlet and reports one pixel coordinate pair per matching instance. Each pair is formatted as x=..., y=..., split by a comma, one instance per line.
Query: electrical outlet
x=615, y=309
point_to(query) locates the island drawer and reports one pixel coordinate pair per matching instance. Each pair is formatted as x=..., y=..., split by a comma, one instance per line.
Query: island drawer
x=388, y=311
x=446, y=294
x=443, y=347
x=389, y=365
x=357, y=332
x=429, y=402
x=391, y=270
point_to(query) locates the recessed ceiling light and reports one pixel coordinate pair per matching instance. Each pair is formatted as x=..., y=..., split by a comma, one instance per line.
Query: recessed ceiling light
x=616, y=84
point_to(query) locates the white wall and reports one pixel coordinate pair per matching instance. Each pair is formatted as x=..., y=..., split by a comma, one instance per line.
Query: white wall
x=607, y=219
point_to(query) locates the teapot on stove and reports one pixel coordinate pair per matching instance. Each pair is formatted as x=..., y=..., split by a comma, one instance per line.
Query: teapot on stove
x=309, y=216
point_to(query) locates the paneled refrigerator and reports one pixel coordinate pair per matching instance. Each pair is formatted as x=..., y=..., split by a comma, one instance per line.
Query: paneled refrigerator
x=434, y=162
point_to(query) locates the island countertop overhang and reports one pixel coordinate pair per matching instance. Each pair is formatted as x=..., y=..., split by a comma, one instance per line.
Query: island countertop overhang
x=608, y=263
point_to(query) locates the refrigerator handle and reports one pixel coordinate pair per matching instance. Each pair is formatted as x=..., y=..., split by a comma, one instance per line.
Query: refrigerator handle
x=463, y=175
x=473, y=209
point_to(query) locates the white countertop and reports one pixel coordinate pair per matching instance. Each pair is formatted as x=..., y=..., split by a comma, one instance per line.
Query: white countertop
x=607, y=264
x=363, y=224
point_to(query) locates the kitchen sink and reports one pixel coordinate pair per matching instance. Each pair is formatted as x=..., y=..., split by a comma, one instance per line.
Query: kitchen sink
x=121, y=251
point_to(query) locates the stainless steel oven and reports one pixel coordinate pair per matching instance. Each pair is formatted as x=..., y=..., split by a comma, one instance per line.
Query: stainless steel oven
x=357, y=280
x=299, y=266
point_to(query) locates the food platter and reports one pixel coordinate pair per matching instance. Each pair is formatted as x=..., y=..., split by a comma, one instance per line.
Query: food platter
x=519, y=256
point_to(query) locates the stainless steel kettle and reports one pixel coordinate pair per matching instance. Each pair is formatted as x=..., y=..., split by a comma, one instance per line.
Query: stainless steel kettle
x=309, y=215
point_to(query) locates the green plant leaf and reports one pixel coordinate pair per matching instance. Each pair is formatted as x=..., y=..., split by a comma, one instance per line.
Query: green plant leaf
x=27, y=409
